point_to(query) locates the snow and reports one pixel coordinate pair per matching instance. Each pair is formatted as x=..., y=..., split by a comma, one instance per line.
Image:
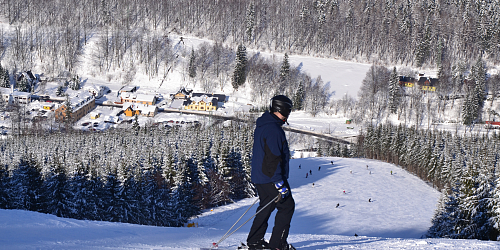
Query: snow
x=398, y=215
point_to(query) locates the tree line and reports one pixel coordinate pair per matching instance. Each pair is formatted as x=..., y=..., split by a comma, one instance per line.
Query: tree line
x=420, y=33
x=144, y=176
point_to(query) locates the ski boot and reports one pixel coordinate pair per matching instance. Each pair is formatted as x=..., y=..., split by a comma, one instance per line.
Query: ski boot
x=261, y=244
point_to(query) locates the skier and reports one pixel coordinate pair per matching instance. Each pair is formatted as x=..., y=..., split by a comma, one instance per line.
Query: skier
x=319, y=168
x=270, y=171
x=299, y=166
x=307, y=174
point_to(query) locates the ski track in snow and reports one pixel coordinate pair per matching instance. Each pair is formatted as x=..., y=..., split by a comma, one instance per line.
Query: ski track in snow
x=399, y=213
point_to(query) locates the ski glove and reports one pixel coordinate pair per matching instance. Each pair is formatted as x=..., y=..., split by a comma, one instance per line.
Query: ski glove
x=282, y=189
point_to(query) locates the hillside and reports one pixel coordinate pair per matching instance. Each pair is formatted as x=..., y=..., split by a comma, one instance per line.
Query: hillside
x=398, y=215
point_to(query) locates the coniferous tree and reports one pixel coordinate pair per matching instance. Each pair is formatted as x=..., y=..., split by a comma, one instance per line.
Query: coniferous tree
x=23, y=85
x=240, y=70
x=192, y=65
x=3, y=187
x=75, y=83
x=394, y=92
x=68, y=112
x=57, y=197
x=25, y=186
x=284, y=71
x=298, y=98
x=4, y=78
x=60, y=90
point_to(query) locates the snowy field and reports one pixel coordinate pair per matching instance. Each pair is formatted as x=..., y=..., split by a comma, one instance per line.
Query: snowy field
x=398, y=215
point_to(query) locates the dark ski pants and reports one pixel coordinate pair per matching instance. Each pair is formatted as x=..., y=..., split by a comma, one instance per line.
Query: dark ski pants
x=285, y=207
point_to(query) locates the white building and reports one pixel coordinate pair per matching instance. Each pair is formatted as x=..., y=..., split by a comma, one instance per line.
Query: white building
x=96, y=90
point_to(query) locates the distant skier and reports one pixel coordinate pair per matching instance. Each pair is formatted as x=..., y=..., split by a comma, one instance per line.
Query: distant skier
x=332, y=162
x=344, y=191
x=338, y=204
x=366, y=166
x=307, y=174
x=391, y=172
x=370, y=200
x=310, y=172
x=270, y=171
x=313, y=184
x=300, y=166
x=319, y=168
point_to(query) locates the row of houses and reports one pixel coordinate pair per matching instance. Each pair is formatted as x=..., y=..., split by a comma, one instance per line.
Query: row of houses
x=143, y=104
x=186, y=99
x=424, y=83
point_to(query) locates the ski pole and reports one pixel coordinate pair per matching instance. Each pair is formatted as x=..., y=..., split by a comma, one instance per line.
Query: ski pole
x=229, y=234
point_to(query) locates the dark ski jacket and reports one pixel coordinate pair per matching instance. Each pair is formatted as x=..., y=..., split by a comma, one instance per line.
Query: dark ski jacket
x=270, y=150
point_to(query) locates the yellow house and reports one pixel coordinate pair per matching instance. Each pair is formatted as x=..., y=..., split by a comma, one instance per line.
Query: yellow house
x=131, y=112
x=95, y=115
x=203, y=103
x=139, y=109
x=429, y=88
x=48, y=106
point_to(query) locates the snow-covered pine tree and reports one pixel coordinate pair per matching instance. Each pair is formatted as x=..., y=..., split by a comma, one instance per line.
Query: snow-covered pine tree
x=284, y=72
x=75, y=83
x=394, y=92
x=114, y=205
x=442, y=226
x=4, y=175
x=4, y=78
x=68, y=112
x=56, y=192
x=60, y=90
x=182, y=203
x=298, y=98
x=25, y=186
x=240, y=69
x=192, y=65
x=23, y=85
x=495, y=207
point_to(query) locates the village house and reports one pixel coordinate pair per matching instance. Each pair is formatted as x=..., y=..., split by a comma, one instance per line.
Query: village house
x=94, y=115
x=81, y=105
x=133, y=109
x=137, y=98
x=203, y=103
x=11, y=96
x=183, y=94
x=427, y=83
x=406, y=81
x=32, y=79
x=48, y=106
x=96, y=90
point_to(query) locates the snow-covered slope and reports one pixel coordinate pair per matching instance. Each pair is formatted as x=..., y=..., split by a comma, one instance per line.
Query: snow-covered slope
x=398, y=215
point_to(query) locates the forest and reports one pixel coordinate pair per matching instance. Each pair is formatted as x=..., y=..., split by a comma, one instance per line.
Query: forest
x=415, y=32
x=143, y=175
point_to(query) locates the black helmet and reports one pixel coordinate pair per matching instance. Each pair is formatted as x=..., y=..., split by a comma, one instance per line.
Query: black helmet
x=281, y=104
